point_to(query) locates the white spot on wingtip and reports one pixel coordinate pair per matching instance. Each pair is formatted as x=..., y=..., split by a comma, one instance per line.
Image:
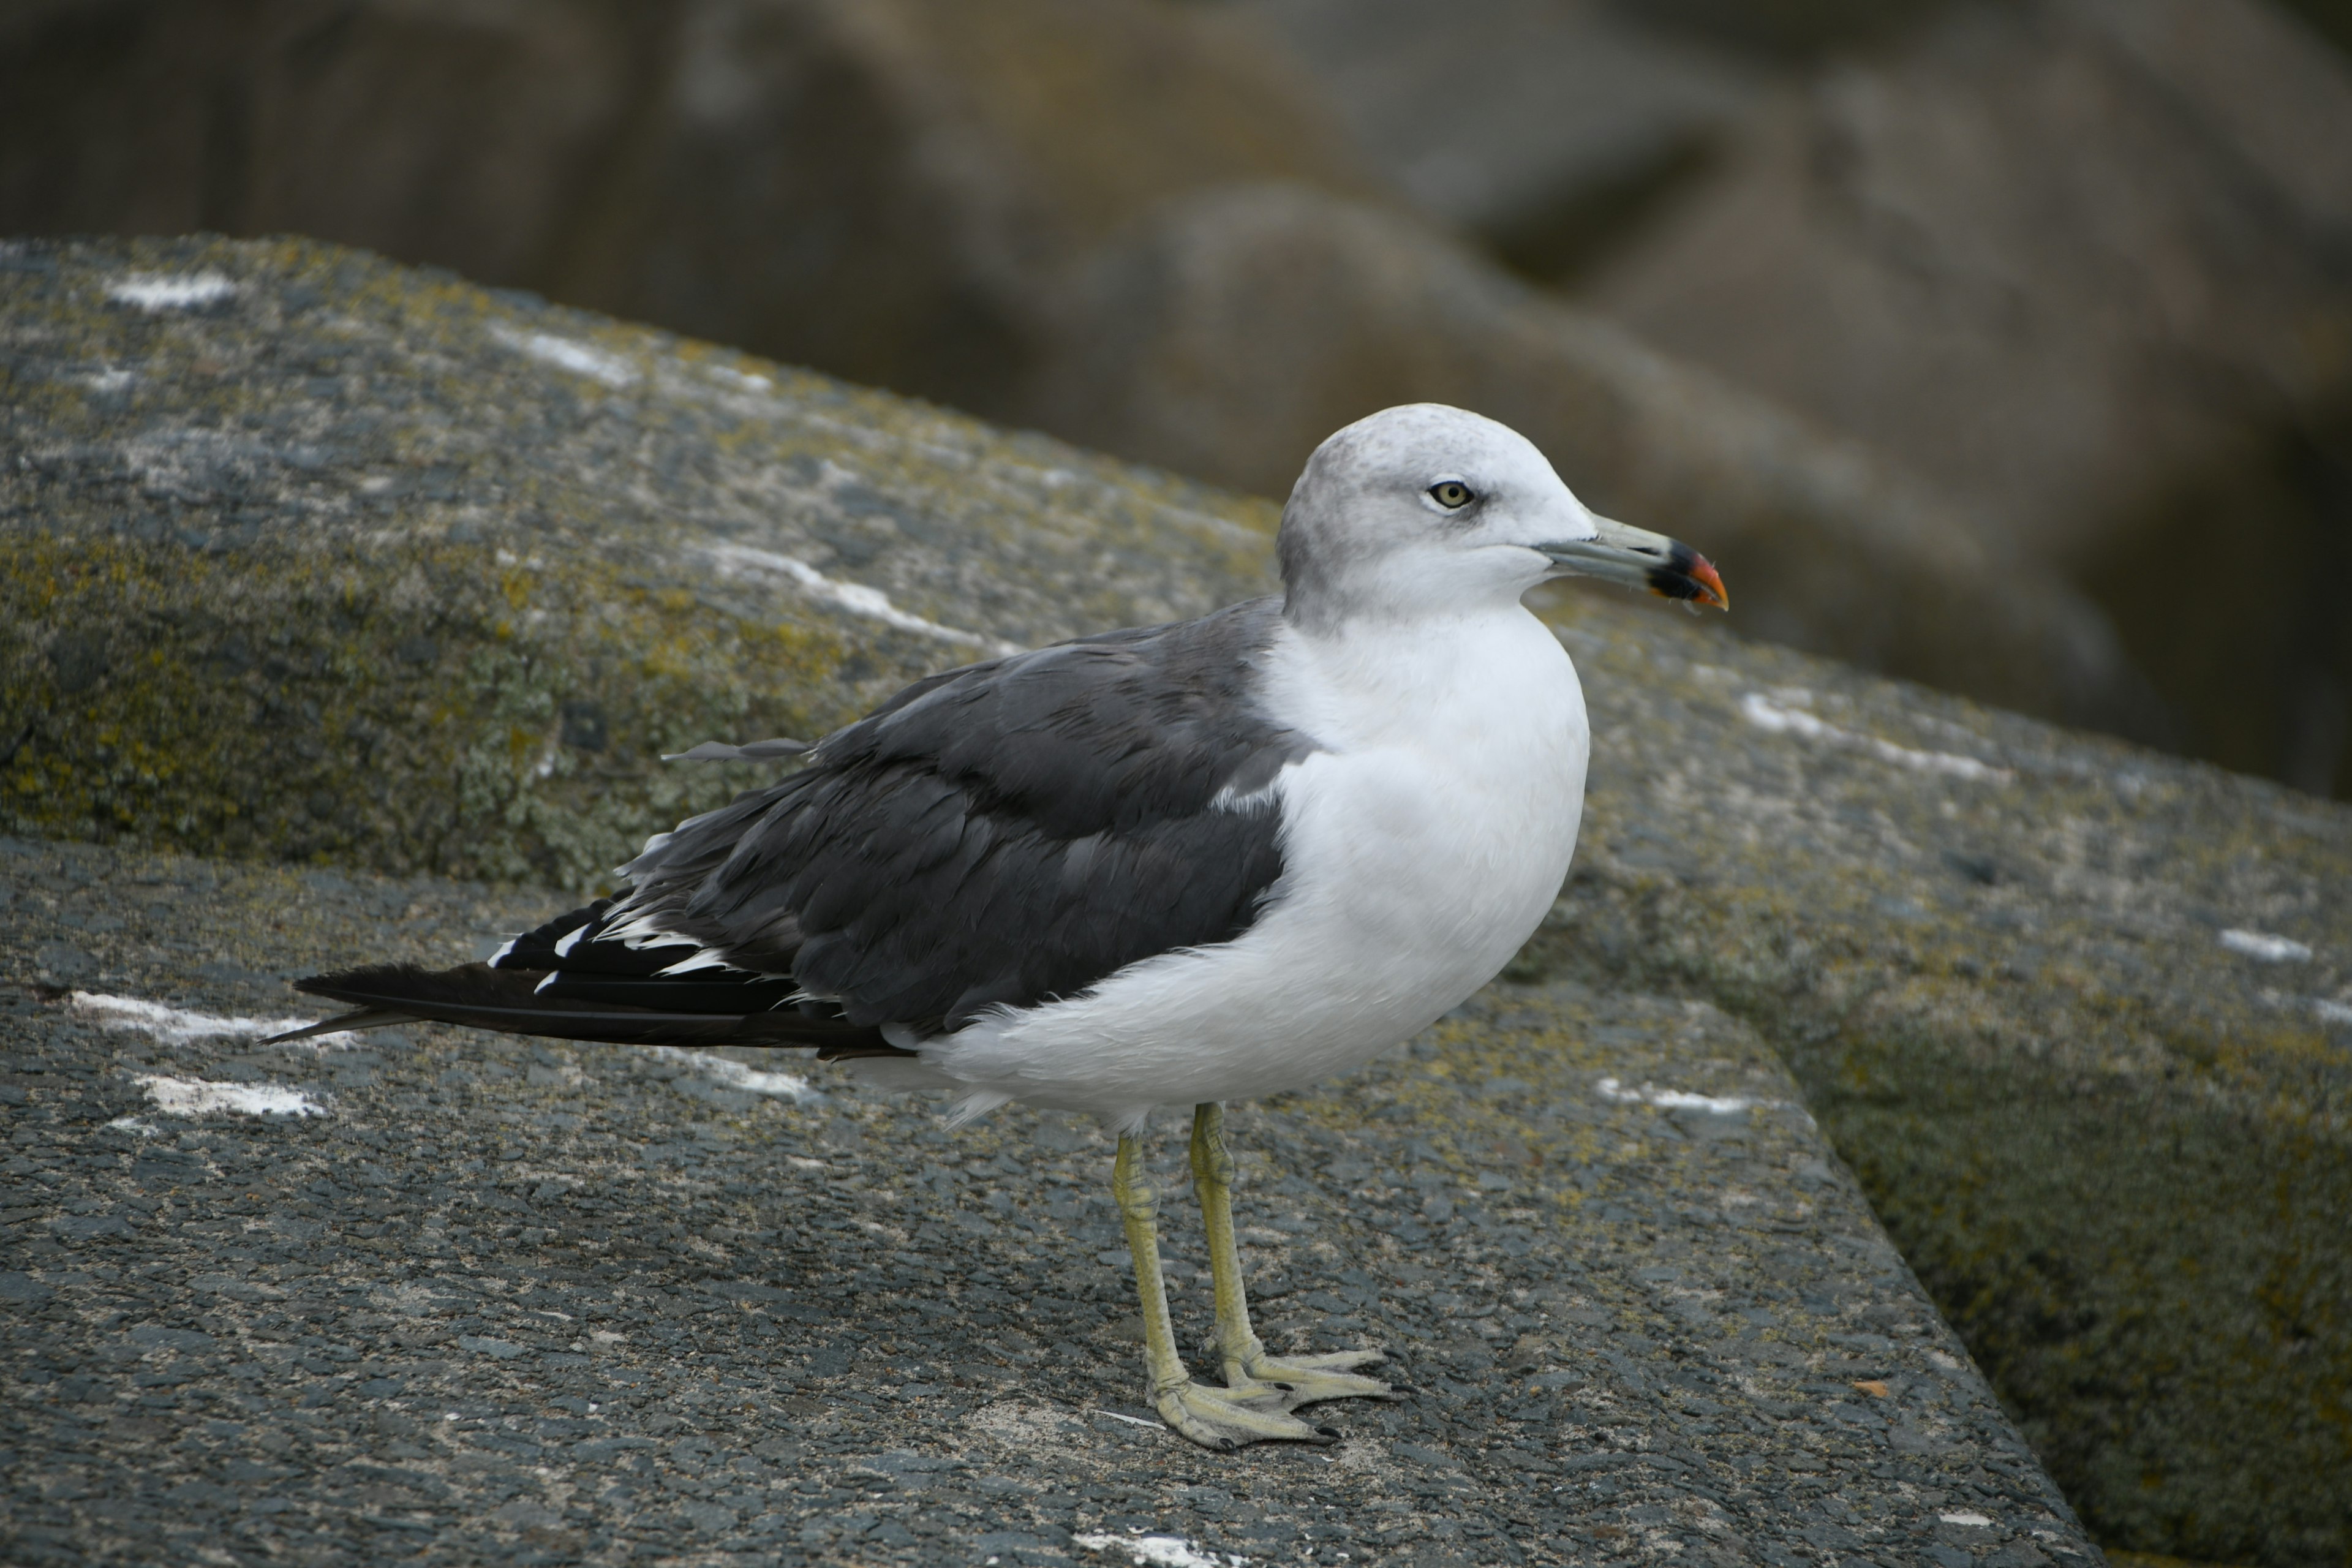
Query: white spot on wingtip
x=1774, y=718
x=196, y=1097
x=856, y=597
x=567, y=353
x=1241, y=803
x=157, y=291
x=2268, y=948
x=701, y=958
x=568, y=941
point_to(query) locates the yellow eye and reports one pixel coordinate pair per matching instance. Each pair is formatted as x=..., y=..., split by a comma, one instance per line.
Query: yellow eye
x=1450, y=494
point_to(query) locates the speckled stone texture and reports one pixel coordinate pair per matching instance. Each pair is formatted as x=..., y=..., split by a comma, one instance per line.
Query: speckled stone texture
x=350, y=560
x=513, y=1303
x=417, y=578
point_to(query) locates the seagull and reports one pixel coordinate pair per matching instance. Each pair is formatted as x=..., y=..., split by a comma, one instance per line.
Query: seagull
x=1169, y=865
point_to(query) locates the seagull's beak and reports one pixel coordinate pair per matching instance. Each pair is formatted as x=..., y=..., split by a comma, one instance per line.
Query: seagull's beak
x=1619, y=553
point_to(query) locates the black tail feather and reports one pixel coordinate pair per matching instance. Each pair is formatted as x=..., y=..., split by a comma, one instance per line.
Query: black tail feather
x=343, y=1024
x=507, y=1000
x=701, y=992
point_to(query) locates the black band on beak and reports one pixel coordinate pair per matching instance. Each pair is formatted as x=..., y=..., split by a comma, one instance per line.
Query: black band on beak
x=1638, y=558
x=1687, y=575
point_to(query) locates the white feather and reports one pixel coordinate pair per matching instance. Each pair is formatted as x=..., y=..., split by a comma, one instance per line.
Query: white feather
x=1420, y=848
x=703, y=958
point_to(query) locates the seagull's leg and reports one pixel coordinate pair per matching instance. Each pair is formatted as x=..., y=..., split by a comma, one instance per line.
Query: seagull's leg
x=1213, y=1417
x=1300, y=1380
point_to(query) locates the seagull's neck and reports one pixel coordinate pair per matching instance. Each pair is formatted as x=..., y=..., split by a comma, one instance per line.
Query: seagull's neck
x=1470, y=676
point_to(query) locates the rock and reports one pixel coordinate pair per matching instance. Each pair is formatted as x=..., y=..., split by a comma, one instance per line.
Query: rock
x=310, y=556
x=508, y=1299
x=1898, y=274
x=1788, y=31
x=463, y=135
x=2078, y=1017
x=556, y=547
x=1553, y=129
x=1541, y=126
x=1230, y=333
x=881, y=190
x=2079, y=350
x=890, y=191
x=1052, y=213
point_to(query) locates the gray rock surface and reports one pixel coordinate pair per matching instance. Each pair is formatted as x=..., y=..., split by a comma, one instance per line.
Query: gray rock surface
x=338, y=560
x=2079, y=1017
x=501, y=1302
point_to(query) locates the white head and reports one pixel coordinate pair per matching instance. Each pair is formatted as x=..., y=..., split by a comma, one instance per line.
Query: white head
x=1428, y=511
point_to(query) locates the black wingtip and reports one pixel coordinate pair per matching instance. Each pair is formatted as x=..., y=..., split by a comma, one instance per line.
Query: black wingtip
x=343, y=1024
x=510, y=1002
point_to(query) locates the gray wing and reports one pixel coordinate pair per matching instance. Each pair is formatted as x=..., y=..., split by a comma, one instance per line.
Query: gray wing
x=1006, y=833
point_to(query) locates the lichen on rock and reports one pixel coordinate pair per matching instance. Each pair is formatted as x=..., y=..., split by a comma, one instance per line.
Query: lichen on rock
x=345, y=562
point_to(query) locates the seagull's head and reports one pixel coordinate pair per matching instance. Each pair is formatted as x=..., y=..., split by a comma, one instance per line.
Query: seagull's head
x=1426, y=510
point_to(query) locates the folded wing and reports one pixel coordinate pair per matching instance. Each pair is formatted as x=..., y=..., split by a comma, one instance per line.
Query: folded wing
x=996, y=836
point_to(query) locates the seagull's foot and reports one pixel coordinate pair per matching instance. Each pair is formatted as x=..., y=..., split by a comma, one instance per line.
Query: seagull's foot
x=1309, y=1379
x=1226, y=1418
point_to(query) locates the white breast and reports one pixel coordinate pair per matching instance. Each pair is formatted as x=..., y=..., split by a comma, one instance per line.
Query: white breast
x=1421, y=844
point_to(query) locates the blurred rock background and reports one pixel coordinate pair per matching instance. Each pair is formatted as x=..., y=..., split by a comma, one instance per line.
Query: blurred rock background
x=2003, y=344
x=2079, y=264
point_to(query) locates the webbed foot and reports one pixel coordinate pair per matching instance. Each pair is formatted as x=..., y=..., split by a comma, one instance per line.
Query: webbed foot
x=1309, y=1379
x=1228, y=1418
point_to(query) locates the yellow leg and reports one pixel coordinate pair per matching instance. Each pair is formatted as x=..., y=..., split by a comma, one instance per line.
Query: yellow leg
x=1212, y=1177
x=1301, y=1380
x=1213, y=1417
x=1139, y=1206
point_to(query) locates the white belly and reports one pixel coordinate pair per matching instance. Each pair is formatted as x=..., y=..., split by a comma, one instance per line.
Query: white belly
x=1420, y=850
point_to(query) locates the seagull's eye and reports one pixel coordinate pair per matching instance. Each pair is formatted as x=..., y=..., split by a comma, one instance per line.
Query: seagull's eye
x=1452, y=494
